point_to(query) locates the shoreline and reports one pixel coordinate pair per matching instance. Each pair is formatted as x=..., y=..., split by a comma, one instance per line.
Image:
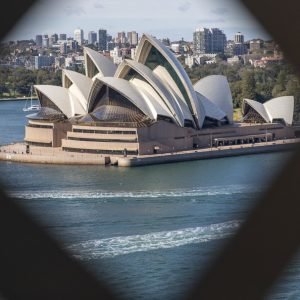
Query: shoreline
x=41, y=155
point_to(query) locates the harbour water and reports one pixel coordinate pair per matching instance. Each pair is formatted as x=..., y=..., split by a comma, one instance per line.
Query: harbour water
x=147, y=230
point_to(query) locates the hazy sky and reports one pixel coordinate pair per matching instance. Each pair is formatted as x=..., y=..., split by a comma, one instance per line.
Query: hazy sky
x=162, y=18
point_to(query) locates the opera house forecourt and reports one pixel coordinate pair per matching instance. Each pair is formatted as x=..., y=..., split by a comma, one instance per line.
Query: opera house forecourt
x=147, y=111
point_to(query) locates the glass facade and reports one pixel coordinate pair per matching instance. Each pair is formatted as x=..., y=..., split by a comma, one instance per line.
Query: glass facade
x=47, y=113
x=111, y=106
x=252, y=116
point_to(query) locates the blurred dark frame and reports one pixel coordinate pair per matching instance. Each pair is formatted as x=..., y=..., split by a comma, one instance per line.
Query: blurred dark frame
x=34, y=266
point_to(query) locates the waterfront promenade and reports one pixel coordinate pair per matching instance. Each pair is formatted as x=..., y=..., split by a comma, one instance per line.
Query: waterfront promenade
x=17, y=153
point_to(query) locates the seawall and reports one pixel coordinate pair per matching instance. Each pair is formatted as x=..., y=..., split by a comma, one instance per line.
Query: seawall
x=17, y=153
x=220, y=152
x=42, y=155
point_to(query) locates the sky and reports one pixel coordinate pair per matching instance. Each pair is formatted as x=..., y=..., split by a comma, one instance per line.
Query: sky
x=174, y=19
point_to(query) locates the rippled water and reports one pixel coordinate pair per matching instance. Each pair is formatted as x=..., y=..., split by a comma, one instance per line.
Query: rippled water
x=148, y=230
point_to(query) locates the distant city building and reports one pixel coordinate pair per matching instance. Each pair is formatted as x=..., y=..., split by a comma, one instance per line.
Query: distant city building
x=63, y=48
x=265, y=61
x=108, y=38
x=92, y=37
x=239, y=47
x=177, y=48
x=39, y=40
x=121, y=37
x=79, y=36
x=44, y=61
x=74, y=45
x=200, y=59
x=54, y=37
x=256, y=45
x=133, y=53
x=111, y=45
x=102, y=39
x=239, y=38
x=209, y=40
x=166, y=41
x=63, y=37
x=116, y=55
x=59, y=61
x=45, y=42
x=132, y=38
x=234, y=60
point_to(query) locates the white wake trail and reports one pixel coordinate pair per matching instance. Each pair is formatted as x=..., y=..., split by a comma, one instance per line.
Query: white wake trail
x=193, y=192
x=111, y=247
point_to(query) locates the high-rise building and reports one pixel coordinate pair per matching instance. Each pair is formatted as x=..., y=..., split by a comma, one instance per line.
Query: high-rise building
x=239, y=38
x=45, y=42
x=92, y=37
x=54, y=37
x=63, y=37
x=109, y=38
x=43, y=61
x=239, y=48
x=132, y=38
x=102, y=39
x=74, y=45
x=79, y=36
x=121, y=37
x=63, y=48
x=209, y=40
x=218, y=40
x=39, y=40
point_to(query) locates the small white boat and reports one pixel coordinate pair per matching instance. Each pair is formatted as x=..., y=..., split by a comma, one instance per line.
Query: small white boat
x=32, y=107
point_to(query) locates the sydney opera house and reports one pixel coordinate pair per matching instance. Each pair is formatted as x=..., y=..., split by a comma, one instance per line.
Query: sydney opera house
x=148, y=105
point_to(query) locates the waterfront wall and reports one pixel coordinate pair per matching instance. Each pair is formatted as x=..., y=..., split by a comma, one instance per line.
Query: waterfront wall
x=48, y=155
x=206, y=154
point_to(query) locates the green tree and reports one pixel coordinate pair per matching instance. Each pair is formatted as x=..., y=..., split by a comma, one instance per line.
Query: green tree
x=248, y=85
x=237, y=93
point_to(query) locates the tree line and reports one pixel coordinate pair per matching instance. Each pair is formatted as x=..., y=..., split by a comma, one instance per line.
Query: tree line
x=17, y=82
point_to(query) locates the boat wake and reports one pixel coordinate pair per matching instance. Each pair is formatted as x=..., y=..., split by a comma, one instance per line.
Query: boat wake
x=121, y=245
x=194, y=192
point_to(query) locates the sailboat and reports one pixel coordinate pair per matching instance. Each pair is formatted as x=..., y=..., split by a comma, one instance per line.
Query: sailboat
x=32, y=106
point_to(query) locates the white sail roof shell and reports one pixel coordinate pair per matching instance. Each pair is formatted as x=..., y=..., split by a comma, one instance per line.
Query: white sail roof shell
x=258, y=107
x=182, y=107
x=211, y=109
x=152, y=99
x=129, y=91
x=217, y=90
x=281, y=108
x=103, y=64
x=141, y=56
x=61, y=97
x=80, y=87
x=276, y=108
x=168, y=100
